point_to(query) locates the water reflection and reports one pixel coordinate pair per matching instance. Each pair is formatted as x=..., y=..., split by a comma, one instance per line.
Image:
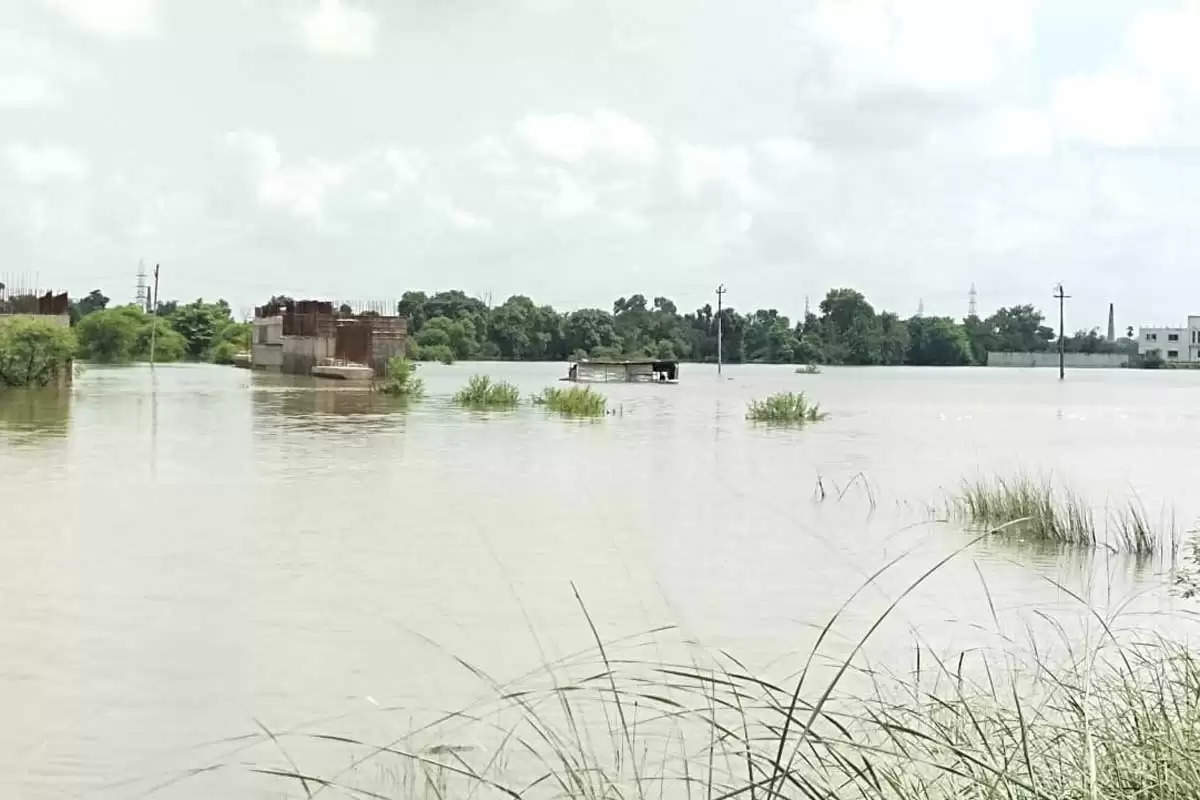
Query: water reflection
x=30, y=414
x=316, y=406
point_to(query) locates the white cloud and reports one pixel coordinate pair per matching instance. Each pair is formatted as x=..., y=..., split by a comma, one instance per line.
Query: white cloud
x=933, y=44
x=574, y=137
x=1014, y=132
x=457, y=216
x=1110, y=109
x=45, y=163
x=1164, y=44
x=109, y=17
x=26, y=91
x=701, y=168
x=298, y=189
x=336, y=28
x=790, y=153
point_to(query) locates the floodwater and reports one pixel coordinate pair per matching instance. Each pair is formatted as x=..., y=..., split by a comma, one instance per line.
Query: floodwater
x=189, y=550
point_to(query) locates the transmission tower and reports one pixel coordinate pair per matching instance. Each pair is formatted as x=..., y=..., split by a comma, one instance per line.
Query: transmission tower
x=921, y=307
x=143, y=290
x=973, y=302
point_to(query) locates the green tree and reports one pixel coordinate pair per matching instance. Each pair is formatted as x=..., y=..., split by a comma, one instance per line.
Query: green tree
x=937, y=341
x=93, y=302
x=981, y=337
x=850, y=331
x=1020, y=329
x=169, y=345
x=33, y=351
x=893, y=339
x=110, y=336
x=199, y=323
x=457, y=334
x=589, y=328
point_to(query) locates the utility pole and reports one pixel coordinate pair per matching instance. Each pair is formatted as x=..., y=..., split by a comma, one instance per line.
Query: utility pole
x=1058, y=293
x=154, y=316
x=720, y=293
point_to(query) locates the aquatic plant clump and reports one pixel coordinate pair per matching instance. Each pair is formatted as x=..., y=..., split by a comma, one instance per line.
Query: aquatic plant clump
x=808, y=369
x=1037, y=509
x=785, y=408
x=573, y=402
x=482, y=392
x=401, y=379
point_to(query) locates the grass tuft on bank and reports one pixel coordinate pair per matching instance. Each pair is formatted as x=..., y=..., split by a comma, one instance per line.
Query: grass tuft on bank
x=1038, y=509
x=785, y=408
x=482, y=392
x=573, y=402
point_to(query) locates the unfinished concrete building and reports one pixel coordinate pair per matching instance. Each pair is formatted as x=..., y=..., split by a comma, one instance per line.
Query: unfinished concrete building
x=295, y=336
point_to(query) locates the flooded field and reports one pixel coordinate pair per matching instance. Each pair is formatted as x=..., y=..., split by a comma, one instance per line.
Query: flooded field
x=194, y=549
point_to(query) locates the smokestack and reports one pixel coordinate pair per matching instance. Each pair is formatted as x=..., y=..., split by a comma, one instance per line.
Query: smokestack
x=1112, y=330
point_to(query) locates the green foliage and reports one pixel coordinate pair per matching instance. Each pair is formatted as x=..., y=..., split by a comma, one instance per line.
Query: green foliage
x=573, y=402
x=785, y=408
x=438, y=352
x=223, y=353
x=33, y=351
x=93, y=302
x=482, y=392
x=401, y=379
x=200, y=323
x=168, y=344
x=937, y=341
x=110, y=336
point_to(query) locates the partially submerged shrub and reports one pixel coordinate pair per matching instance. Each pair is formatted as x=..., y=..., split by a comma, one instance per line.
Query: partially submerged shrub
x=482, y=392
x=789, y=408
x=401, y=379
x=574, y=402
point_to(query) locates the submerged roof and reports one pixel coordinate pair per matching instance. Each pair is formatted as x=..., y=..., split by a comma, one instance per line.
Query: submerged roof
x=631, y=362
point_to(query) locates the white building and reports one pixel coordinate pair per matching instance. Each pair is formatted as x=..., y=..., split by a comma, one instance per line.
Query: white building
x=1172, y=344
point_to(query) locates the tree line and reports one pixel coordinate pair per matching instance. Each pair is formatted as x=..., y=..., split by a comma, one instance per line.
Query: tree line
x=196, y=331
x=451, y=325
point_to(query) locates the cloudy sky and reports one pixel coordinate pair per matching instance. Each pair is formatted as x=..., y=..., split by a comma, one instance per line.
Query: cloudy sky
x=577, y=150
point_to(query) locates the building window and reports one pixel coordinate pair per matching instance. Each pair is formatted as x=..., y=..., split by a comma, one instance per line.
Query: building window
x=1172, y=337
x=1172, y=354
x=1151, y=337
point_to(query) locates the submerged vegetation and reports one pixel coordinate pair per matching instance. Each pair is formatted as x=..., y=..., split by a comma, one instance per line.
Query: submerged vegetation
x=1039, y=510
x=808, y=369
x=785, y=408
x=573, y=402
x=482, y=392
x=401, y=379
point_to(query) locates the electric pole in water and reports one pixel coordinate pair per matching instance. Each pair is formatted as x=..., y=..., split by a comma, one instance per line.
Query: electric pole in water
x=720, y=293
x=154, y=316
x=1058, y=293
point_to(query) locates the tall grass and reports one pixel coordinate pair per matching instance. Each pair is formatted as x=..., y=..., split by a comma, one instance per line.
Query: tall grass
x=400, y=379
x=482, y=392
x=1040, y=510
x=1113, y=721
x=573, y=402
x=787, y=408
